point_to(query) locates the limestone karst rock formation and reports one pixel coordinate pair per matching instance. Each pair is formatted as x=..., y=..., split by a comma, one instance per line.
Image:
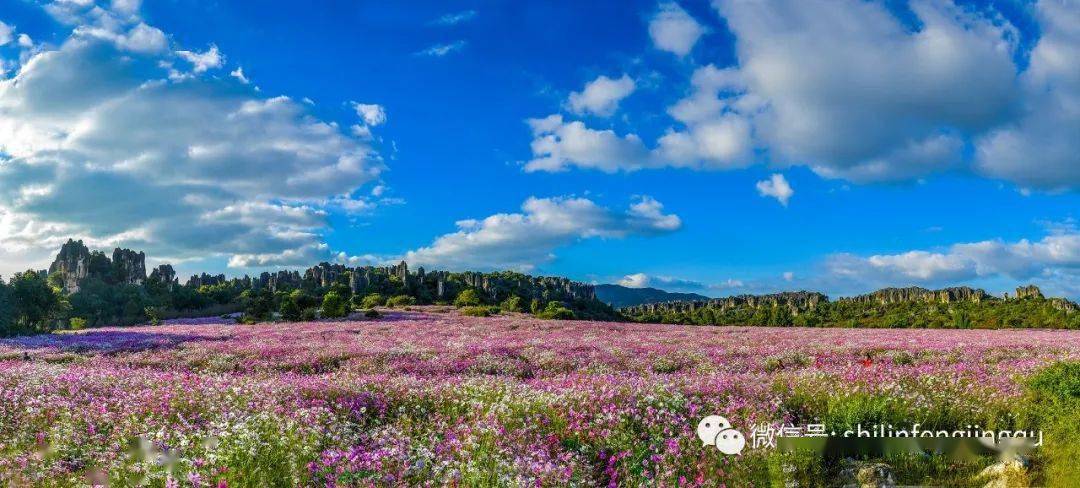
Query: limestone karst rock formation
x=72, y=264
x=129, y=266
x=795, y=301
x=916, y=294
x=165, y=275
x=1029, y=291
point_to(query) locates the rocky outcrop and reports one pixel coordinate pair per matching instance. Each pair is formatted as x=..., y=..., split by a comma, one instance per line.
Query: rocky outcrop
x=1029, y=291
x=281, y=280
x=888, y=296
x=129, y=267
x=795, y=301
x=165, y=275
x=72, y=264
x=204, y=279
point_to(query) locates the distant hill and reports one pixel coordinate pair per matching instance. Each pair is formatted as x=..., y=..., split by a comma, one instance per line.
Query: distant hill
x=620, y=296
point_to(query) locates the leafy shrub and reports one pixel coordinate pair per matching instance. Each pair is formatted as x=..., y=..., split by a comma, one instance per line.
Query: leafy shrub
x=309, y=314
x=557, y=311
x=372, y=314
x=401, y=301
x=536, y=306
x=290, y=310
x=479, y=311
x=513, y=304
x=467, y=298
x=153, y=314
x=334, y=306
x=77, y=323
x=371, y=301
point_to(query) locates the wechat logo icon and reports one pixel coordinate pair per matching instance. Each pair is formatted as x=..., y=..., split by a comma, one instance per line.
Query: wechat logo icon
x=715, y=430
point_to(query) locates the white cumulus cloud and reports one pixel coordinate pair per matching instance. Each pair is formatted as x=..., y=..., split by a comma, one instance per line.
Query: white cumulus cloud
x=526, y=239
x=601, y=96
x=776, y=187
x=371, y=113
x=674, y=30
x=99, y=143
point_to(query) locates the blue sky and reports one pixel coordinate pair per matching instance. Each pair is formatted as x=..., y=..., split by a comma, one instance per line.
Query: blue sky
x=722, y=148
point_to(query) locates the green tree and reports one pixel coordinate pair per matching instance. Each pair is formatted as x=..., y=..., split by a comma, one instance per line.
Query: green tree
x=37, y=304
x=290, y=310
x=7, y=310
x=468, y=297
x=512, y=304
x=334, y=305
x=260, y=305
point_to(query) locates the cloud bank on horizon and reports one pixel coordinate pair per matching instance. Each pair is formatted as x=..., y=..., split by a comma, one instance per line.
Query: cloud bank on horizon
x=183, y=155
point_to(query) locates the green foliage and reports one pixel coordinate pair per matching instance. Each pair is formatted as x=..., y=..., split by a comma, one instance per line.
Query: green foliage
x=309, y=314
x=401, y=301
x=372, y=314
x=153, y=315
x=37, y=305
x=986, y=314
x=77, y=323
x=7, y=310
x=290, y=310
x=371, y=301
x=260, y=305
x=304, y=300
x=334, y=306
x=468, y=298
x=536, y=306
x=513, y=304
x=479, y=311
x=1054, y=408
x=557, y=311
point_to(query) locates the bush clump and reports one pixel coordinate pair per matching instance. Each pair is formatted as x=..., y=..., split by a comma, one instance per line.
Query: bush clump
x=479, y=311
x=334, y=306
x=556, y=311
x=372, y=313
x=290, y=310
x=371, y=301
x=467, y=298
x=513, y=304
x=401, y=301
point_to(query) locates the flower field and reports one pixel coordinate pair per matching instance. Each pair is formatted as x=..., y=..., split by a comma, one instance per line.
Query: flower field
x=433, y=398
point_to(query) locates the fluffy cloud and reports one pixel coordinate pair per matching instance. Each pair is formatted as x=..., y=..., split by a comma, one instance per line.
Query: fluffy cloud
x=668, y=283
x=6, y=34
x=372, y=114
x=855, y=91
x=1042, y=148
x=642, y=280
x=523, y=240
x=1054, y=254
x=601, y=96
x=238, y=73
x=776, y=187
x=559, y=145
x=201, y=62
x=96, y=141
x=674, y=30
